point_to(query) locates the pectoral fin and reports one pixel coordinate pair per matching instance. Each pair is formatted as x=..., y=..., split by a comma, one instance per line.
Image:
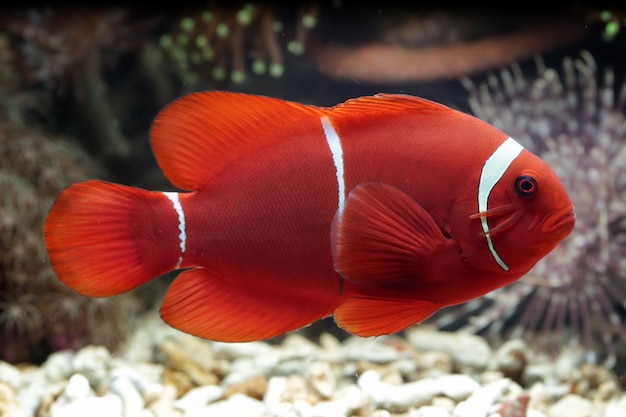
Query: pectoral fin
x=384, y=237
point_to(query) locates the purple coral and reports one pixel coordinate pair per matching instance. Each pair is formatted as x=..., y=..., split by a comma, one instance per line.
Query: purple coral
x=576, y=123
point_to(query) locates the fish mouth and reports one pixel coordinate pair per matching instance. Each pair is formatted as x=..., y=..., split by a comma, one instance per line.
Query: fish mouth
x=561, y=221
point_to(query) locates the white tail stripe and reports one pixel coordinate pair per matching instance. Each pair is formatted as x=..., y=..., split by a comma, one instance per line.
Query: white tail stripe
x=173, y=197
x=494, y=168
x=334, y=143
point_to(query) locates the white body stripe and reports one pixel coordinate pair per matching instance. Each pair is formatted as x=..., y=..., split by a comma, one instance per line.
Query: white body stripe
x=334, y=143
x=173, y=197
x=494, y=168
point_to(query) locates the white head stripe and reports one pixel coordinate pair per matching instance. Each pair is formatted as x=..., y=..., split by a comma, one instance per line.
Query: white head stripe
x=173, y=197
x=494, y=168
x=334, y=143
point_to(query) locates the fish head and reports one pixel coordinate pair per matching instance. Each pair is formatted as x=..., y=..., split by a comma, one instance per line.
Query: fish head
x=527, y=213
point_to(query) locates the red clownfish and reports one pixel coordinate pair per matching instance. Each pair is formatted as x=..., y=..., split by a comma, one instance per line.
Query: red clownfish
x=379, y=211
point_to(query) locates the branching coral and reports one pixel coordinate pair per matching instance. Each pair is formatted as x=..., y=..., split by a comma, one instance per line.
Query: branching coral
x=576, y=123
x=225, y=41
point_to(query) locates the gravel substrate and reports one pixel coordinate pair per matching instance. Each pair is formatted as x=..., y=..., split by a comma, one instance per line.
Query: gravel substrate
x=426, y=373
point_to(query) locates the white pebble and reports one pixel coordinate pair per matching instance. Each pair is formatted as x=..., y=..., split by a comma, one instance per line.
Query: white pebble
x=479, y=403
x=163, y=406
x=348, y=401
x=542, y=395
x=10, y=374
x=246, y=368
x=199, y=397
x=330, y=409
x=614, y=410
x=571, y=406
x=9, y=406
x=412, y=394
x=283, y=391
x=93, y=362
x=321, y=378
x=510, y=358
x=77, y=388
x=469, y=352
x=242, y=350
x=429, y=411
x=58, y=366
x=372, y=350
x=107, y=406
x=35, y=386
x=407, y=367
x=274, y=395
x=150, y=332
x=553, y=372
x=237, y=405
x=380, y=413
x=147, y=382
x=132, y=399
x=357, y=401
x=297, y=345
x=432, y=363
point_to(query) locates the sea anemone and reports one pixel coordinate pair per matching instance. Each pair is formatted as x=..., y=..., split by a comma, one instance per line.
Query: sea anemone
x=575, y=122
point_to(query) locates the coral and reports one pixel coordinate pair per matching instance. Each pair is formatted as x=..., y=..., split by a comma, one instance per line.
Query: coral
x=227, y=41
x=55, y=41
x=576, y=123
x=37, y=312
x=86, y=62
x=66, y=52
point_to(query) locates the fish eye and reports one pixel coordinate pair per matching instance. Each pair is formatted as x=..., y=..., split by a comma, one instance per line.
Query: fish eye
x=525, y=185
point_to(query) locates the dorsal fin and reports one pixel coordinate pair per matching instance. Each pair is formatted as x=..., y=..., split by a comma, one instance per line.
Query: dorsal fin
x=391, y=104
x=200, y=134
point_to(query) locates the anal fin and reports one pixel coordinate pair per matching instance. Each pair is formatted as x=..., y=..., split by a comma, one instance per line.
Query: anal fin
x=206, y=304
x=365, y=316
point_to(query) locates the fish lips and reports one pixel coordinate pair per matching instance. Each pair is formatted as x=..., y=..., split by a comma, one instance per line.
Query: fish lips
x=560, y=222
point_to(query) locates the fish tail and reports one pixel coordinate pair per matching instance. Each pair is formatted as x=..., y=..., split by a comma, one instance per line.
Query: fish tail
x=104, y=239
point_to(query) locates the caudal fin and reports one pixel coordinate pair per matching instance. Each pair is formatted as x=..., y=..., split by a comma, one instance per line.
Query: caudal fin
x=102, y=240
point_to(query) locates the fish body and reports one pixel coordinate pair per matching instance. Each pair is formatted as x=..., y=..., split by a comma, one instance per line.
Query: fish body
x=379, y=211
